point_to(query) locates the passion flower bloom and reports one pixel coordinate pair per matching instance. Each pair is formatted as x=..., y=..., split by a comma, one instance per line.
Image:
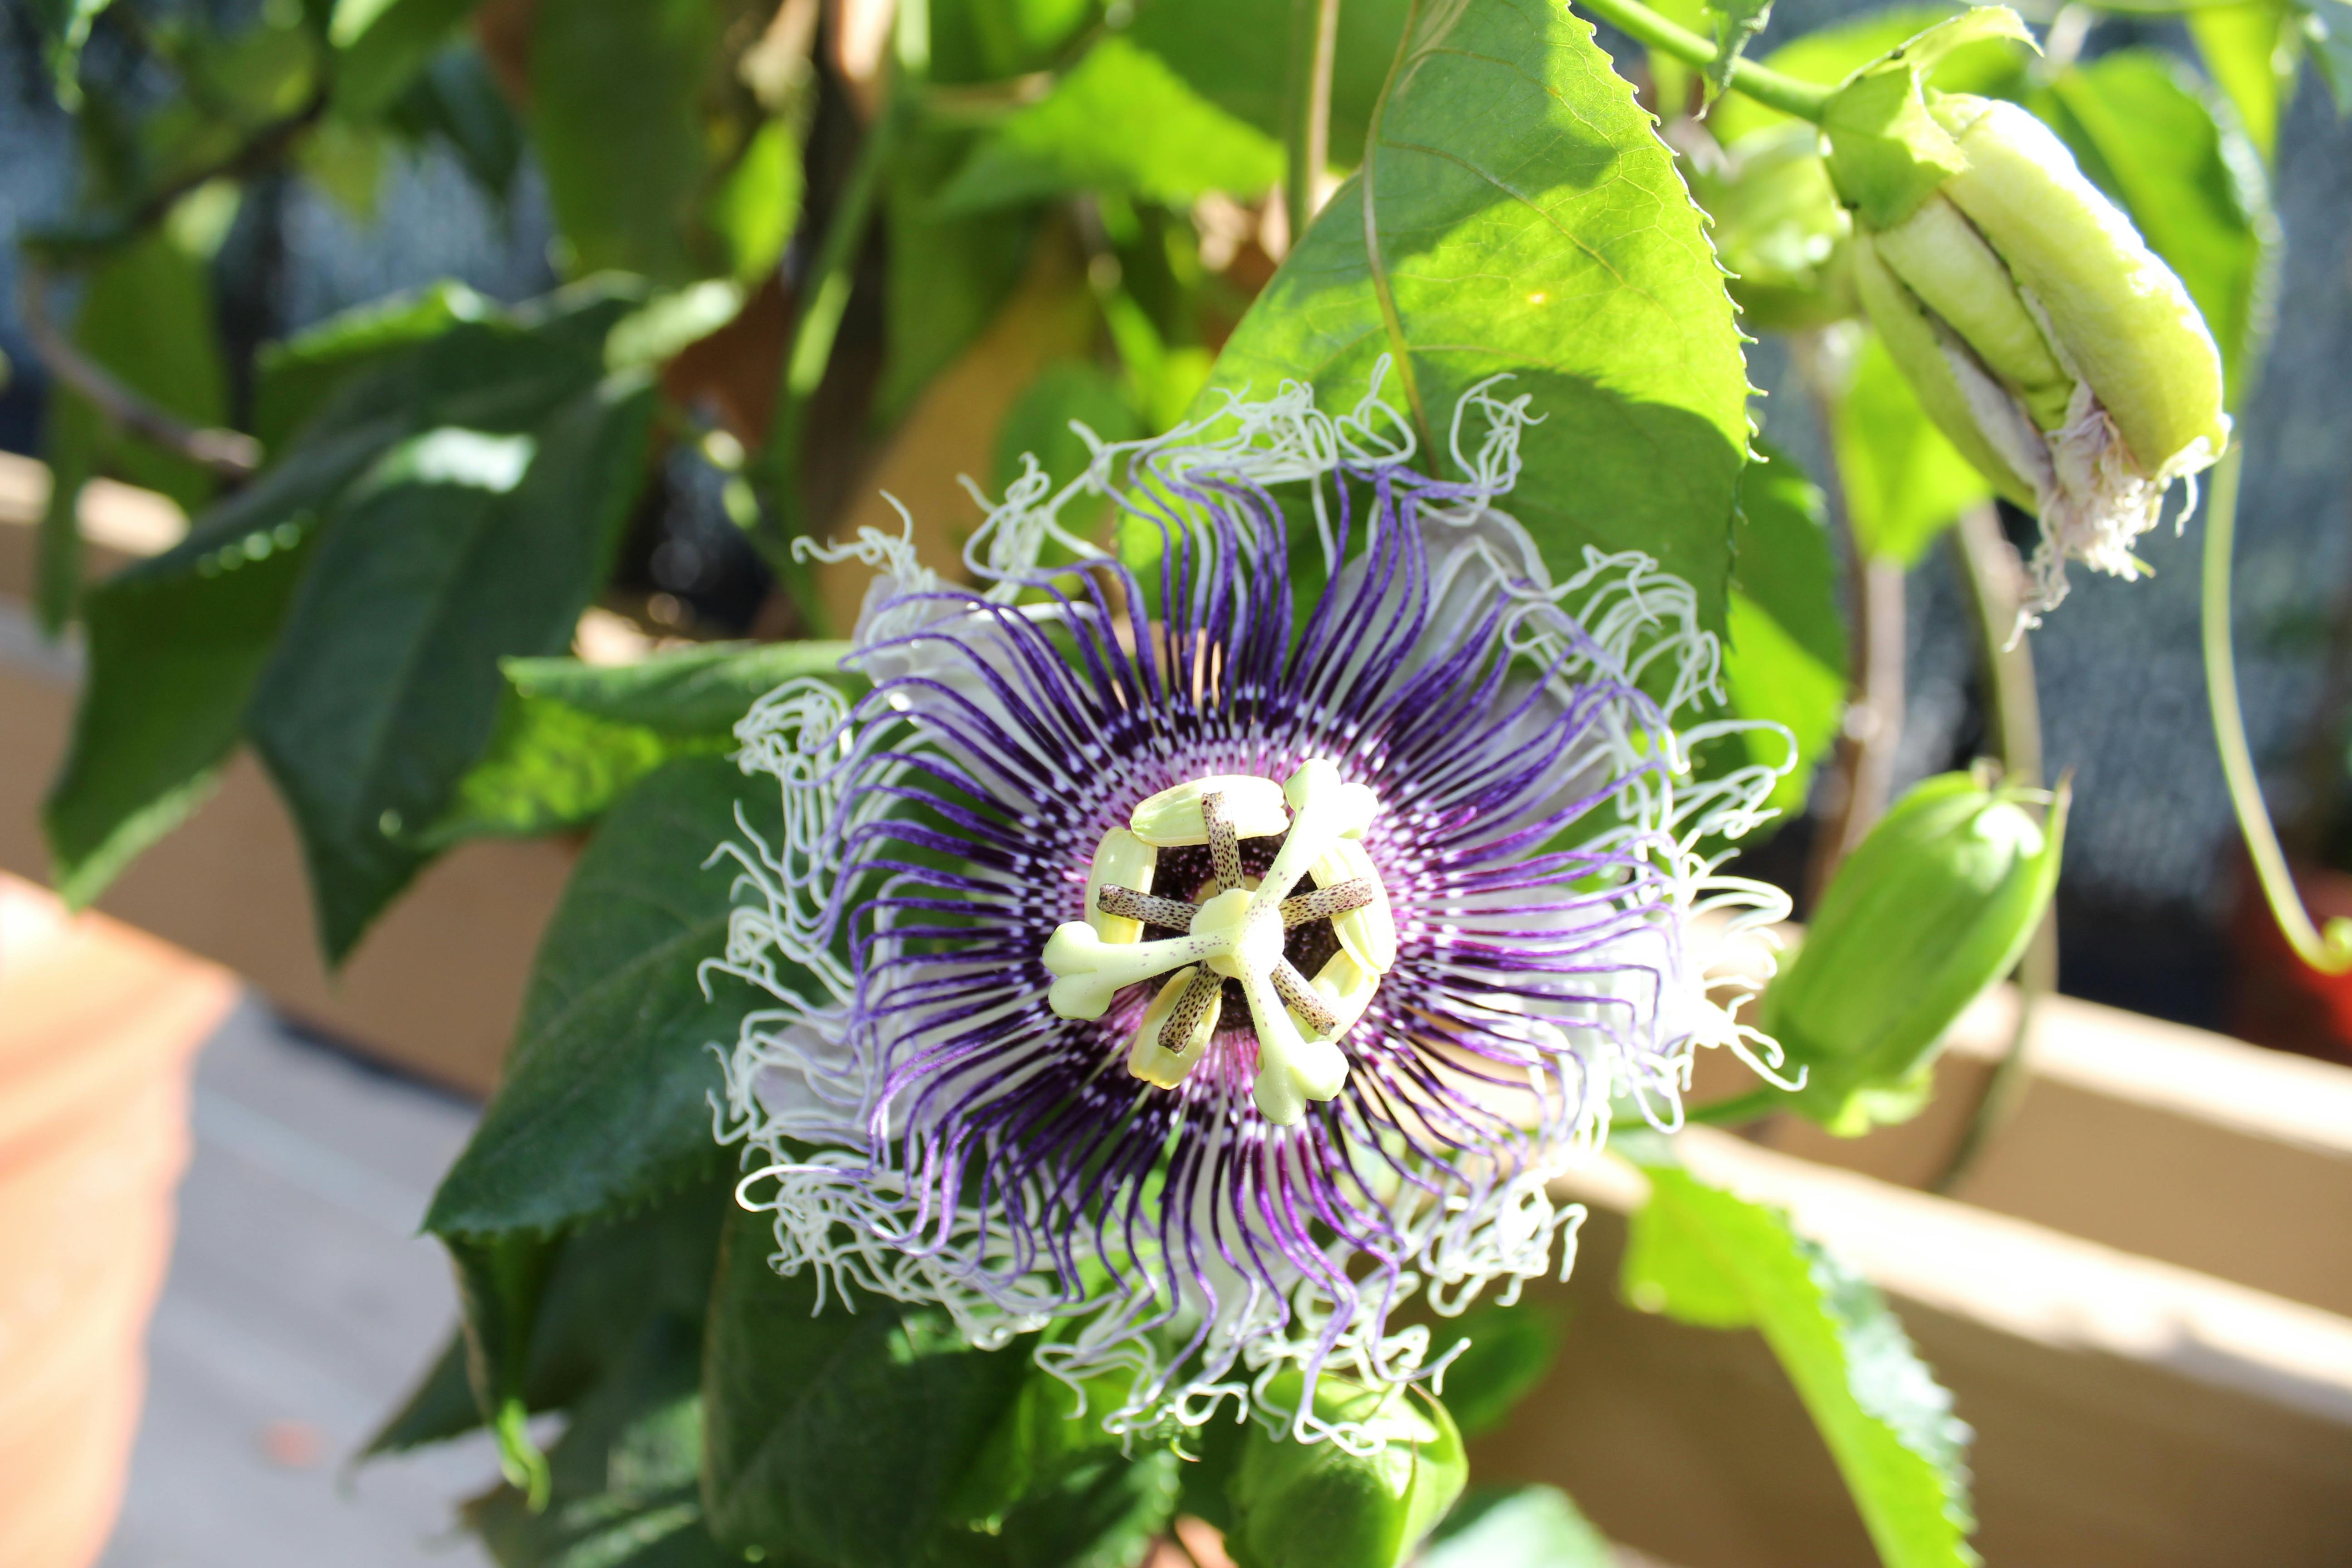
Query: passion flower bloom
x=1203, y=966
x=2059, y=354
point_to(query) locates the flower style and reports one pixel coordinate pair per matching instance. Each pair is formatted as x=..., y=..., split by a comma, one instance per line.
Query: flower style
x=1200, y=966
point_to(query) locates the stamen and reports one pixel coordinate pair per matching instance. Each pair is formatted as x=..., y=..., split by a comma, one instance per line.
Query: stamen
x=1225, y=842
x=1301, y=998
x=1238, y=932
x=1323, y=903
x=1145, y=907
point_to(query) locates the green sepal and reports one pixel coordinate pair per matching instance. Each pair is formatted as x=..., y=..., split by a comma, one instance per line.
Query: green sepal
x=1886, y=152
x=1319, y=1505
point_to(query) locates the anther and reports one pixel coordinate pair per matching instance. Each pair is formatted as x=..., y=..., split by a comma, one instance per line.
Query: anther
x=1202, y=993
x=1225, y=842
x=1128, y=904
x=1303, y=999
x=1319, y=904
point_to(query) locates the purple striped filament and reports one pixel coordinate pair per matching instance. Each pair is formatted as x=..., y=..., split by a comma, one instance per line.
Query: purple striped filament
x=966, y=1092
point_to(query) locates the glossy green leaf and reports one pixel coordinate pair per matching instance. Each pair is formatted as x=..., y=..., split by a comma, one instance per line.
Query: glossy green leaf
x=461, y=547
x=615, y=122
x=1510, y=1349
x=604, y=1103
x=1122, y=123
x=626, y=1490
x=1197, y=38
x=381, y=45
x=838, y=1435
x=1706, y=1258
x=1826, y=56
x=1785, y=659
x=1516, y=1527
x=698, y=691
x=298, y=378
x=548, y=767
x=1525, y=220
x=2253, y=51
x=2195, y=188
x=1904, y=482
x=1319, y=1505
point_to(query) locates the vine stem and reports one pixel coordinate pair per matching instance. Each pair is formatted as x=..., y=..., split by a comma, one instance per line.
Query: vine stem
x=1306, y=129
x=2331, y=952
x=1995, y=580
x=1804, y=99
x=824, y=298
x=231, y=454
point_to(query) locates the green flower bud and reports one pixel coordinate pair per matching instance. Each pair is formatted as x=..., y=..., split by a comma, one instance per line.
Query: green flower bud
x=1326, y=1505
x=2058, y=352
x=1935, y=905
x=1779, y=229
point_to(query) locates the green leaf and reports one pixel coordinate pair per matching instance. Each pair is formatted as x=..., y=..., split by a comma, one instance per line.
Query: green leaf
x=459, y=548
x=602, y=1286
x=2253, y=52
x=1525, y=220
x=1319, y=1505
x=616, y=120
x=457, y=100
x=176, y=644
x=1704, y=1257
x=844, y=1434
x=758, y=204
x=1904, y=483
x=65, y=28
x=1122, y=123
x=624, y=1491
x=1511, y=1348
x=2194, y=187
x=1101, y=1514
x=441, y=1407
x=550, y=767
x=1829, y=54
x=381, y=45
x=1038, y=424
x=146, y=318
x=604, y=1101
x=2327, y=27
x=1735, y=22
x=1527, y=1526
x=699, y=691
x=1197, y=38
x=1785, y=660
x=949, y=273
x=298, y=378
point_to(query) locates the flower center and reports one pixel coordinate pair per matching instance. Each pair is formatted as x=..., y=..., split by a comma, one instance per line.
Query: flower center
x=1236, y=927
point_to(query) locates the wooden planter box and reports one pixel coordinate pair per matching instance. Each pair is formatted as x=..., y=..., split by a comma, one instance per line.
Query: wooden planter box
x=2143, y=1302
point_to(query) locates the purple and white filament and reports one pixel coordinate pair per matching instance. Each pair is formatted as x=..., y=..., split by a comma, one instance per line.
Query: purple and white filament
x=939, y=1119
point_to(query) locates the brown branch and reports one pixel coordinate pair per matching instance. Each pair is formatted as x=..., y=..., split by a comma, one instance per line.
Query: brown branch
x=229, y=453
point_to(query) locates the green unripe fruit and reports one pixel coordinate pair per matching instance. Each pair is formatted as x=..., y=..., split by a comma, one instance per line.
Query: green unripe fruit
x=1937, y=903
x=2119, y=313
x=1316, y=1505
